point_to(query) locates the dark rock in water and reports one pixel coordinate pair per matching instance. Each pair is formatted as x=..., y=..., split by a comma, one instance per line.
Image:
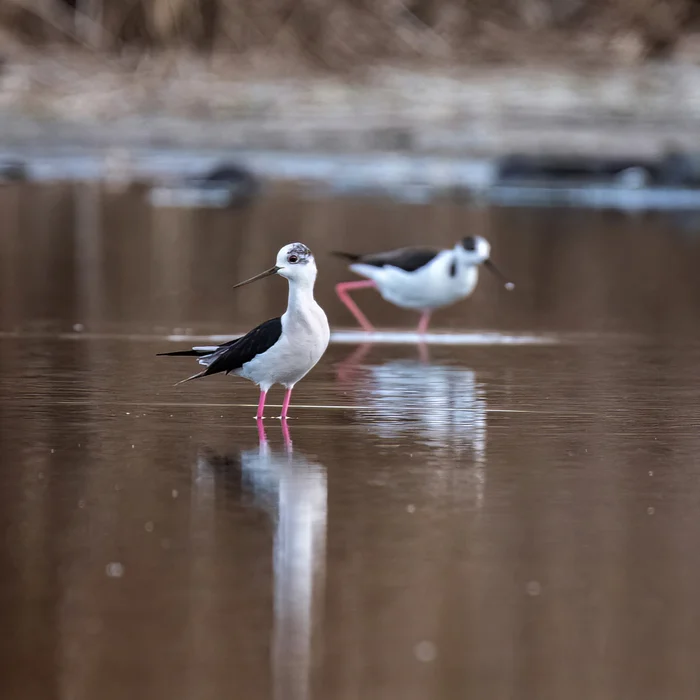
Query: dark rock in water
x=226, y=185
x=526, y=168
x=680, y=169
x=675, y=169
x=13, y=171
x=241, y=184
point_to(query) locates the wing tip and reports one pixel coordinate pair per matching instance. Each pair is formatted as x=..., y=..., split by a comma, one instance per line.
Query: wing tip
x=352, y=257
x=189, y=379
x=178, y=353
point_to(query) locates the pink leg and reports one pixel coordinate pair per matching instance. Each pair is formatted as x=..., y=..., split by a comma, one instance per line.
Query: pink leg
x=261, y=405
x=285, y=403
x=349, y=365
x=286, y=436
x=423, y=353
x=423, y=323
x=342, y=290
x=261, y=431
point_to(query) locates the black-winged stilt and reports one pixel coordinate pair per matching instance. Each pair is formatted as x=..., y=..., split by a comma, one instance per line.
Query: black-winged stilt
x=282, y=350
x=423, y=279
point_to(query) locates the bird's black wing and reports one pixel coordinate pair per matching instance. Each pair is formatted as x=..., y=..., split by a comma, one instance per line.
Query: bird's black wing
x=234, y=354
x=407, y=259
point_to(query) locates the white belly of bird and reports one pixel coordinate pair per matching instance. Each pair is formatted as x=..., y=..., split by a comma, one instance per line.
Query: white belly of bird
x=299, y=348
x=430, y=287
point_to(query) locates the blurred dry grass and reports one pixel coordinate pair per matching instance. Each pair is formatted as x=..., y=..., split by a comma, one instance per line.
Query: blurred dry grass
x=343, y=33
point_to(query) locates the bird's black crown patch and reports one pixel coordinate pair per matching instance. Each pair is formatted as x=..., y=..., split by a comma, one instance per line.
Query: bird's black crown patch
x=298, y=253
x=469, y=243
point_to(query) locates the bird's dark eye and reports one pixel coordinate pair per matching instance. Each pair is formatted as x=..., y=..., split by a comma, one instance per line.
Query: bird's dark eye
x=293, y=258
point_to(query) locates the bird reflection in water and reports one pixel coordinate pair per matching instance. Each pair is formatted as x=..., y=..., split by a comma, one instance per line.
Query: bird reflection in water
x=443, y=406
x=292, y=490
x=353, y=363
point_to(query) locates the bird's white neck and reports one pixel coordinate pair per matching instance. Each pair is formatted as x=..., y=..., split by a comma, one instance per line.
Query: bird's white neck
x=301, y=296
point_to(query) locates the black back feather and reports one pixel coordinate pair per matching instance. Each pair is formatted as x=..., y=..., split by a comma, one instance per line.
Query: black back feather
x=407, y=259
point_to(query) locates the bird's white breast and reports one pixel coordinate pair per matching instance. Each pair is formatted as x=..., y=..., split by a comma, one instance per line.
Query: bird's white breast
x=429, y=287
x=304, y=339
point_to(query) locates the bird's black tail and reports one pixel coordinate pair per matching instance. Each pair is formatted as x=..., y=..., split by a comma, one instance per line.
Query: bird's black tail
x=352, y=257
x=184, y=353
x=203, y=352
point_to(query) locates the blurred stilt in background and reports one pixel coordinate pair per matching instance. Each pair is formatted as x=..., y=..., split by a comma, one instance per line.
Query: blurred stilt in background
x=420, y=279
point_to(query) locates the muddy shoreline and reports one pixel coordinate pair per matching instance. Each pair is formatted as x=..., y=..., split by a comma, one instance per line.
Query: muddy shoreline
x=72, y=103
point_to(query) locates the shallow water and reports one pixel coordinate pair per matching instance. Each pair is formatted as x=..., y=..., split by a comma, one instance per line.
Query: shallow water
x=496, y=521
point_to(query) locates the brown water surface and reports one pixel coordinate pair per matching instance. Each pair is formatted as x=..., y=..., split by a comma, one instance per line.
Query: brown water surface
x=488, y=522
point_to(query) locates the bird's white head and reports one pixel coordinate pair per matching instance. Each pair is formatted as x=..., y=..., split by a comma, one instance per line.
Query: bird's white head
x=295, y=262
x=475, y=250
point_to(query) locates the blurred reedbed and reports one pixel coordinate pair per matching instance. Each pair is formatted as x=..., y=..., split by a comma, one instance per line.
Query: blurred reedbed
x=339, y=34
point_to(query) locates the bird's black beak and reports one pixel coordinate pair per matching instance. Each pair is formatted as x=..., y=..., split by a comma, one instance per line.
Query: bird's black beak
x=272, y=271
x=492, y=268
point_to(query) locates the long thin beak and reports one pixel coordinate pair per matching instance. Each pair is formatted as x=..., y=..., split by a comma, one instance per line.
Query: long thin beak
x=492, y=268
x=272, y=271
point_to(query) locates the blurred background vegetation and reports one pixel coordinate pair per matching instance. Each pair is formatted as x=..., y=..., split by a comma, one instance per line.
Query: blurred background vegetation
x=342, y=33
